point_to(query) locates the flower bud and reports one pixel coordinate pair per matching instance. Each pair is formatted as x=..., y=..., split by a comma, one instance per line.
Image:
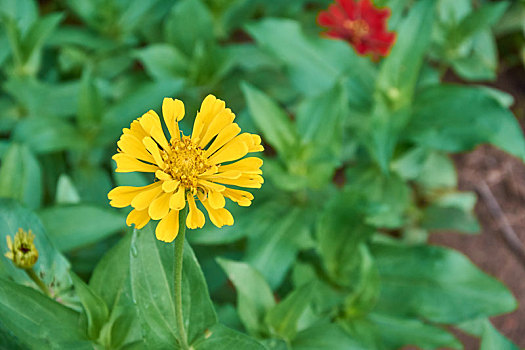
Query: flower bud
x=23, y=252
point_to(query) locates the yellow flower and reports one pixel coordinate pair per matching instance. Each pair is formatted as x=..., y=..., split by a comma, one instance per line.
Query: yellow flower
x=186, y=168
x=23, y=252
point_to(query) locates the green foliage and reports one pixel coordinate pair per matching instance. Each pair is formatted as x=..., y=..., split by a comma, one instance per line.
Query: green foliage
x=357, y=153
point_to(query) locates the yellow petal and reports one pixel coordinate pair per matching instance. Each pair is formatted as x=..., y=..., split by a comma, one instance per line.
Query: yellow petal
x=138, y=217
x=233, y=150
x=136, y=130
x=232, y=174
x=195, y=217
x=168, y=227
x=144, y=198
x=9, y=242
x=151, y=124
x=211, y=185
x=160, y=206
x=220, y=216
x=216, y=125
x=224, y=136
x=128, y=164
x=249, y=165
x=243, y=198
x=246, y=180
x=161, y=175
x=216, y=200
x=177, y=200
x=123, y=195
x=153, y=148
x=173, y=112
x=131, y=145
x=211, y=106
x=170, y=185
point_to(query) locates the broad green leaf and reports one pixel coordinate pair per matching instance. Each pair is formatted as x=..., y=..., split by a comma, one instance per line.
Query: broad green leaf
x=436, y=217
x=219, y=337
x=485, y=16
x=492, y=339
x=51, y=264
x=74, y=226
x=93, y=184
x=400, y=69
x=152, y=285
x=457, y=118
x=481, y=62
x=95, y=308
x=111, y=280
x=20, y=176
x=47, y=134
x=273, y=122
x=314, y=64
x=272, y=249
x=397, y=332
x=163, y=61
x=35, y=38
x=36, y=320
x=66, y=192
x=24, y=12
x=328, y=336
x=188, y=23
x=254, y=296
x=438, y=284
x=283, y=318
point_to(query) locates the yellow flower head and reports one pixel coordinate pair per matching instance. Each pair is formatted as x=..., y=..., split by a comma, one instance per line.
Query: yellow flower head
x=186, y=168
x=23, y=252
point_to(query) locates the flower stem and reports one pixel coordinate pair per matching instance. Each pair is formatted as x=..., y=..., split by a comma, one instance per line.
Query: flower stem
x=177, y=268
x=31, y=273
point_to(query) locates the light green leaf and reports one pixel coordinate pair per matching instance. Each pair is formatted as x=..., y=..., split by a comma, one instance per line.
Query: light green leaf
x=47, y=134
x=163, y=61
x=20, y=176
x=66, y=192
x=273, y=122
x=329, y=336
x=484, y=17
x=283, y=318
x=492, y=339
x=90, y=101
x=438, y=284
x=95, y=308
x=396, y=333
x=254, y=296
x=74, y=226
x=457, y=118
x=188, y=23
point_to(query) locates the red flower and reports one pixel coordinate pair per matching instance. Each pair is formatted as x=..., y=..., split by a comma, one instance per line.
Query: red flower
x=359, y=23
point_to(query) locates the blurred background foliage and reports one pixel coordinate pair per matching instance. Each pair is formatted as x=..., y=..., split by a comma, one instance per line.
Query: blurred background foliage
x=332, y=253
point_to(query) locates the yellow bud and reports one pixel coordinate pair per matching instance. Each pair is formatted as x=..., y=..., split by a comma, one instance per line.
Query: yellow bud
x=23, y=252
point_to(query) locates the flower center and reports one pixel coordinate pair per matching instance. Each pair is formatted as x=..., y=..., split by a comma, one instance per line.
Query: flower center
x=185, y=162
x=357, y=28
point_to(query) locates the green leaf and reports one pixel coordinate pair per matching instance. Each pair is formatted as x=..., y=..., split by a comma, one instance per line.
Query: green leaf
x=484, y=17
x=145, y=97
x=47, y=134
x=35, y=38
x=111, y=280
x=329, y=336
x=438, y=284
x=481, y=62
x=194, y=20
x=396, y=333
x=283, y=318
x=75, y=226
x=163, y=61
x=95, y=308
x=492, y=339
x=66, y=192
x=273, y=122
x=20, y=176
x=36, y=320
x=152, y=285
x=254, y=296
x=314, y=64
x=400, y=69
x=219, y=337
x=457, y=118
x=436, y=217
x=93, y=184
x=51, y=264
x=90, y=101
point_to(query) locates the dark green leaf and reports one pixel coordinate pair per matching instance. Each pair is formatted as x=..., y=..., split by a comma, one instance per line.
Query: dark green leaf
x=438, y=284
x=74, y=226
x=329, y=336
x=20, y=176
x=219, y=337
x=163, y=61
x=254, y=296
